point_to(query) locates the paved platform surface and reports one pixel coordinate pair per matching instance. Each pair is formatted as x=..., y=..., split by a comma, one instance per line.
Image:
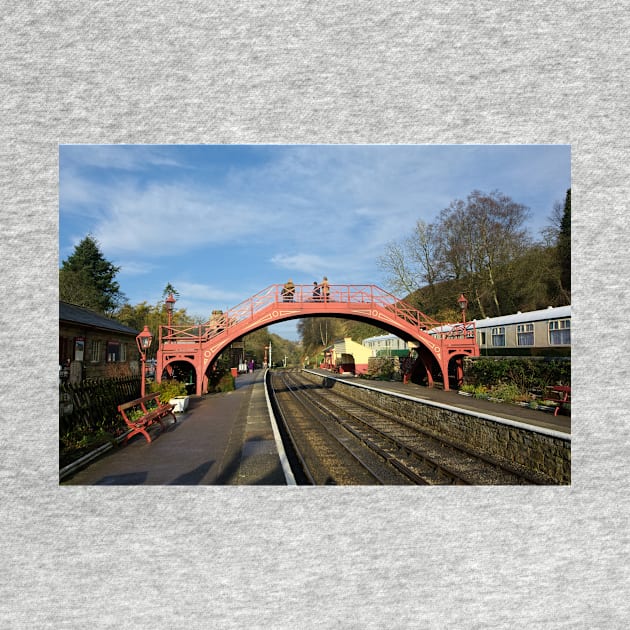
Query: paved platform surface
x=222, y=439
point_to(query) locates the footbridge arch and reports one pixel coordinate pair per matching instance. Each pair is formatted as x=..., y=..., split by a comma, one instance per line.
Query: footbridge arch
x=438, y=345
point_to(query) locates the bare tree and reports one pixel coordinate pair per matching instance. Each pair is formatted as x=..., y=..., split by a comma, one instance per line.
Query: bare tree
x=401, y=277
x=415, y=261
x=474, y=243
x=481, y=236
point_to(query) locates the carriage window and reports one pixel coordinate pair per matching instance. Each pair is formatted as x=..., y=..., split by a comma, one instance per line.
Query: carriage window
x=560, y=332
x=525, y=334
x=498, y=336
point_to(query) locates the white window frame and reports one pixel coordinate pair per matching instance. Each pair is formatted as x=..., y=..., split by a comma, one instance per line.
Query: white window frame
x=96, y=350
x=498, y=333
x=560, y=332
x=525, y=334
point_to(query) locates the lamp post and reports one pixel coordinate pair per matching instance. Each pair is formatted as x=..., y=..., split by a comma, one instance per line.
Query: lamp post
x=463, y=303
x=170, y=303
x=143, y=340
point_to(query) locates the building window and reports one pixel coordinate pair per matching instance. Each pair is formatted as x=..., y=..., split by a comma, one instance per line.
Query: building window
x=525, y=334
x=498, y=336
x=482, y=339
x=95, y=351
x=79, y=348
x=113, y=352
x=560, y=332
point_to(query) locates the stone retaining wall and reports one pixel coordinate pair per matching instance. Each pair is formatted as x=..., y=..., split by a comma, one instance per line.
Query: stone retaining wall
x=544, y=455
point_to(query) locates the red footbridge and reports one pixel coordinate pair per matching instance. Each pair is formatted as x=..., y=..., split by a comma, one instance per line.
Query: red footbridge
x=440, y=348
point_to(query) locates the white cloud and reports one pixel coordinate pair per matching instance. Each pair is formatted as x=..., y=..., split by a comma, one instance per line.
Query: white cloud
x=207, y=293
x=135, y=267
x=171, y=216
x=119, y=157
x=199, y=300
x=306, y=263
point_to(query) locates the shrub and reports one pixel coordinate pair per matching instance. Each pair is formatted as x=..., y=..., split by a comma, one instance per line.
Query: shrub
x=384, y=368
x=221, y=381
x=480, y=391
x=226, y=383
x=168, y=389
x=526, y=374
x=509, y=392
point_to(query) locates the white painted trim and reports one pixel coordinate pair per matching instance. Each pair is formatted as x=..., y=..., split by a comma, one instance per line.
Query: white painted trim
x=284, y=461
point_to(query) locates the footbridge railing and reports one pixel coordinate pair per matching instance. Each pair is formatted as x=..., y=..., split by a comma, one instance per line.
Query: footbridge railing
x=314, y=299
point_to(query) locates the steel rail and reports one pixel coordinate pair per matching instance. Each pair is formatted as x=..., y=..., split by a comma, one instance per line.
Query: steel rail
x=298, y=398
x=277, y=410
x=370, y=444
x=436, y=467
x=488, y=459
x=500, y=467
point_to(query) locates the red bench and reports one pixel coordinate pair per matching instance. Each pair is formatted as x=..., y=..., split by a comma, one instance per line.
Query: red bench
x=141, y=413
x=561, y=395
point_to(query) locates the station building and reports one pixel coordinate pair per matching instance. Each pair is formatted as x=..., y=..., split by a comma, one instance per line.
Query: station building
x=94, y=346
x=387, y=346
x=346, y=355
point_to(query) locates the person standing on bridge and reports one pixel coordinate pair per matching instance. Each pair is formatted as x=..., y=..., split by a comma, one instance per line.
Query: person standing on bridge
x=325, y=289
x=317, y=292
x=288, y=291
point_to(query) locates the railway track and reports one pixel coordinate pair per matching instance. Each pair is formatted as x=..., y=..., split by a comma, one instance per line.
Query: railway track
x=335, y=440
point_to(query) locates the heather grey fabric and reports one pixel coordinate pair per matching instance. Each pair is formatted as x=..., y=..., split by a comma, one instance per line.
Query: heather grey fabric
x=301, y=72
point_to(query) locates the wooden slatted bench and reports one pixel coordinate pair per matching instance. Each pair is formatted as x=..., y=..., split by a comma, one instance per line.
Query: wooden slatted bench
x=152, y=411
x=560, y=394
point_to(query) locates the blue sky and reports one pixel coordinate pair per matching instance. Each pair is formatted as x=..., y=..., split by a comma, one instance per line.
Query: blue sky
x=222, y=222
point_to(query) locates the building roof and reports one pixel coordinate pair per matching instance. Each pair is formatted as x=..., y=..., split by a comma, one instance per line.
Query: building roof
x=552, y=312
x=74, y=314
x=381, y=338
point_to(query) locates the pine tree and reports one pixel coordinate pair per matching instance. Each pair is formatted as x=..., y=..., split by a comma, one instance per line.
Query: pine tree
x=86, y=278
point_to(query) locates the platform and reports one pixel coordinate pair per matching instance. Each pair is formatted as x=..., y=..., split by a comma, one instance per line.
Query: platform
x=223, y=439
x=508, y=411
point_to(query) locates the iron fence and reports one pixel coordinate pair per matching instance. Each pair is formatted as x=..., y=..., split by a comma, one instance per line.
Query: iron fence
x=92, y=404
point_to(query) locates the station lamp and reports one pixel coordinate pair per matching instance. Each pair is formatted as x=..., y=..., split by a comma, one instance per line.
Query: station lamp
x=170, y=303
x=463, y=304
x=144, y=340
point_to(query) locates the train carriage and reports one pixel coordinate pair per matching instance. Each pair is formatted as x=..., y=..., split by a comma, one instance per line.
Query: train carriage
x=545, y=332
